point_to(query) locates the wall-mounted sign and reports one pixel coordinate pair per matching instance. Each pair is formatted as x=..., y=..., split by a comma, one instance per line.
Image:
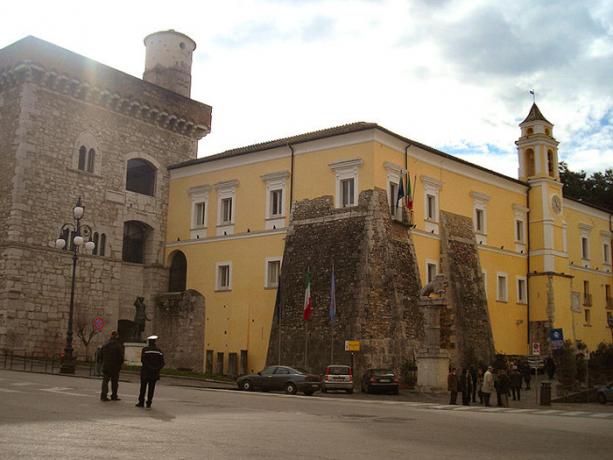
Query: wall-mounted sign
x=98, y=323
x=352, y=345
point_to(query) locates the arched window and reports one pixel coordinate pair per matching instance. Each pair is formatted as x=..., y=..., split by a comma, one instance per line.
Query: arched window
x=102, y=249
x=529, y=162
x=87, y=159
x=134, y=236
x=95, y=239
x=91, y=159
x=550, y=163
x=140, y=176
x=178, y=273
x=82, y=157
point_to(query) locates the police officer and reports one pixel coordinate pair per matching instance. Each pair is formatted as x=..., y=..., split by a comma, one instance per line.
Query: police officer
x=112, y=359
x=152, y=360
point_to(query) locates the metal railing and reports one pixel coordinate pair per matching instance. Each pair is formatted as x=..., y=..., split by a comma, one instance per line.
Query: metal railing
x=18, y=360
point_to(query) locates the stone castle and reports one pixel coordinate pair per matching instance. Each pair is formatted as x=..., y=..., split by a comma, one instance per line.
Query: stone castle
x=73, y=128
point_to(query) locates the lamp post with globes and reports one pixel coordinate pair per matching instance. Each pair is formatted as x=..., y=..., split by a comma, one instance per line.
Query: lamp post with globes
x=81, y=234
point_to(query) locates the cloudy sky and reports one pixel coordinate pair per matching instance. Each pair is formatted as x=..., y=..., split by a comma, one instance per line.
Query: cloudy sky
x=452, y=74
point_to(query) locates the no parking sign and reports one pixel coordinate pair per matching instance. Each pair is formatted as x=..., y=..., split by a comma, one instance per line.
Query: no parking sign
x=98, y=323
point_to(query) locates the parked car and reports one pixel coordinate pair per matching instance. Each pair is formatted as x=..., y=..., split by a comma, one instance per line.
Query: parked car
x=337, y=377
x=281, y=378
x=605, y=393
x=380, y=380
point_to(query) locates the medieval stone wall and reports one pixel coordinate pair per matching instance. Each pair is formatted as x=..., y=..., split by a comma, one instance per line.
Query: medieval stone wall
x=179, y=323
x=377, y=287
x=465, y=326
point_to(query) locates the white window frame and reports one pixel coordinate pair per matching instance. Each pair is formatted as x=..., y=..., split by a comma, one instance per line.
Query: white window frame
x=606, y=248
x=520, y=214
x=522, y=294
x=218, y=266
x=480, y=201
x=267, y=283
x=431, y=263
x=585, y=248
x=499, y=296
x=197, y=195
x=275, y=181
x=432, y=187
x=394, y=173
x=226, y=190
x=346, y=169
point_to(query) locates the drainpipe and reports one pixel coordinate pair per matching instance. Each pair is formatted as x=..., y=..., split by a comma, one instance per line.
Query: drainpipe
x=291, y=178
x=528, y=265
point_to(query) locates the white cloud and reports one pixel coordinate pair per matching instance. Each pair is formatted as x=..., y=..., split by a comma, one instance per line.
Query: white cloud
x=446, y=73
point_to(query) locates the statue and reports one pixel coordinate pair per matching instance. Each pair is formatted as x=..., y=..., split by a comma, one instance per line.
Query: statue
x=140, y=317
x=437, y=286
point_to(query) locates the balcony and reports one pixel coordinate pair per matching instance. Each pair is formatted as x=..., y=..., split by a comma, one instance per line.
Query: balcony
x=587, y=299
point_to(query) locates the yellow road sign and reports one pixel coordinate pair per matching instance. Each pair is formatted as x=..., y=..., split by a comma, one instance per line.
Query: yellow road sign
x=352, y=345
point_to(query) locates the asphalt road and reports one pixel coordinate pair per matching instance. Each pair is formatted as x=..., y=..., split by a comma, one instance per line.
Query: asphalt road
x=50, y=416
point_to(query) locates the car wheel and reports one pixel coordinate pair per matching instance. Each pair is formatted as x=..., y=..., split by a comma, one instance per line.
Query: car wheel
x=246, y=385
x=290, y=388
x=350, y=392
x=602, y=399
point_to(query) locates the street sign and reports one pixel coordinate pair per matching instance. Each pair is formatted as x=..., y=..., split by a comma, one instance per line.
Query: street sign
x=556, y=337
x=536, y=349
x=535, y=362
x=352, y=345
x=98, y=323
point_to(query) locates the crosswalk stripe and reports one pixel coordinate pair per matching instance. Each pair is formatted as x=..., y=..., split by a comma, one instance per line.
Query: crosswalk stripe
x=6, y=390
x=601, y=415
x=549, y=412
x=520, y=411
x=22, y=384
x=464, y=408
x=574, y=413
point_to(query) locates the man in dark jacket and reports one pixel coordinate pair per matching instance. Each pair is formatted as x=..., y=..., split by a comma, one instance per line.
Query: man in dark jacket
x=152, y=360
x=452, y=386
x=112, y=359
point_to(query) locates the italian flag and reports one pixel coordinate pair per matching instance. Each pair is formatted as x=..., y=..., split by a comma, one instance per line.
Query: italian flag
x=409, y=193
x=308, y=301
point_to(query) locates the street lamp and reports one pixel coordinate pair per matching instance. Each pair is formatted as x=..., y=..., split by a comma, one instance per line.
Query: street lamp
x=81, y=235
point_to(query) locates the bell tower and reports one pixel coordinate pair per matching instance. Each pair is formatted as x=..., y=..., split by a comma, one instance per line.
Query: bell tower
x=548, y=278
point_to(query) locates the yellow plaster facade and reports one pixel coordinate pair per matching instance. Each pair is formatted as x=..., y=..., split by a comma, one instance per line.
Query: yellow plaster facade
x=228, y=215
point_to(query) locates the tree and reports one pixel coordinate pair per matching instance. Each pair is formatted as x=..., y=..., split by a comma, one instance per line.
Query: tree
x=86, y=332
x=596, y=189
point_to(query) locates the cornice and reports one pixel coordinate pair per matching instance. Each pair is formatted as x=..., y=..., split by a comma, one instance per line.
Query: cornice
x=65, y=85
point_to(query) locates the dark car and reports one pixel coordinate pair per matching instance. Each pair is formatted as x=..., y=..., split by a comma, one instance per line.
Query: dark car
x=281, y=378
x=380, y=380
x=605, y=394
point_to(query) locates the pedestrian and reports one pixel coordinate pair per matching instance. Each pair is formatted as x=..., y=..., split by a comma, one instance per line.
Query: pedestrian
x=98, y=361
x=488, y=386
x=452, y=386
x=516, y=379
x=550, y=367
x=112, y=359
x=152, y=360
x=504, y=385
x=525, y=372
x=467, y=387
x=479, y=384
x=475, y=387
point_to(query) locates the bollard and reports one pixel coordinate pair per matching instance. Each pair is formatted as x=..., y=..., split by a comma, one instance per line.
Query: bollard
x=546, y=394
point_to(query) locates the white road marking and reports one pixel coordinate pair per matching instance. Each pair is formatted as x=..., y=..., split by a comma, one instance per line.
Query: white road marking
x=493, y=409
x=521, y=411
x=465, y=408
x=6, y=390
x=548, y=412
x=22, y=384
x=61, y=391
x=574, y=413
x=601, y=415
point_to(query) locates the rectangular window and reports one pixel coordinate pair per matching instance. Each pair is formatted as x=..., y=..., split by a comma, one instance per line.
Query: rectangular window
x=585, y=248
x=588, y=316
x=479, y=223
x=606, y=253
x=226, y=210
x=522, y=296
x=199, y=214
x=519, y=230
x=393, y=196
x=431, y=207
x=431, y=272
x=276, y=202
x=223, y=277
x=273, y=270
x=608, y=301
x=501, y=288
x=347, y=191
x=587, y=297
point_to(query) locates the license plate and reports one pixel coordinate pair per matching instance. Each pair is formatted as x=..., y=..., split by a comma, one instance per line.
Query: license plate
x=340, y=379
x=384, y=380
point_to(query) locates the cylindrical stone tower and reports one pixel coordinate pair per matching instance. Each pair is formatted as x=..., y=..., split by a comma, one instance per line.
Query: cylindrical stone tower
x=168, y=61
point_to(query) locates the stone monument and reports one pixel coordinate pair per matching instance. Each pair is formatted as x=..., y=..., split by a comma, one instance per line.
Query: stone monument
x=432, y=361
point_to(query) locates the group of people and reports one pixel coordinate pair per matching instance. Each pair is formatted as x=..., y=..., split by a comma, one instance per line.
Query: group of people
x=474, y=382
x=111, y=356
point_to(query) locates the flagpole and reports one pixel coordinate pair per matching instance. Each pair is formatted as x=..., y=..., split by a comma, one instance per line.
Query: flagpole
x=306, y=343
x=279, y=339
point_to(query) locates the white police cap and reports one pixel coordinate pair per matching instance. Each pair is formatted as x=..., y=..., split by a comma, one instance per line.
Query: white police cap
x=152, y=337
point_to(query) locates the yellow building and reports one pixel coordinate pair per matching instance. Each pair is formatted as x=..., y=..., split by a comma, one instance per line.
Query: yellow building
x=228, y=215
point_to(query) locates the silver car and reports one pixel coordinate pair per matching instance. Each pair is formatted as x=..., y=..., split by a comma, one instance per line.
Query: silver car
x=337, y=377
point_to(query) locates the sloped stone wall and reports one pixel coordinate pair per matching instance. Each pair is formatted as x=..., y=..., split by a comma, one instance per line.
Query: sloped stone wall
x=179, y=323
x=377, y=287
x=465, y=325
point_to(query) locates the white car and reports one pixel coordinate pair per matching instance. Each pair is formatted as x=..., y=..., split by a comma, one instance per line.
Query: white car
x=337, y=377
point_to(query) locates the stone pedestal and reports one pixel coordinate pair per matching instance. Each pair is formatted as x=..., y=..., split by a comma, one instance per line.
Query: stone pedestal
x=132, y=351
x=432, y=362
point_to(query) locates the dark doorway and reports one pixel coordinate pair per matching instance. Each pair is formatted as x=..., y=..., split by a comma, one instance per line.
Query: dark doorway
x=178, y=273
x=134, y=238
